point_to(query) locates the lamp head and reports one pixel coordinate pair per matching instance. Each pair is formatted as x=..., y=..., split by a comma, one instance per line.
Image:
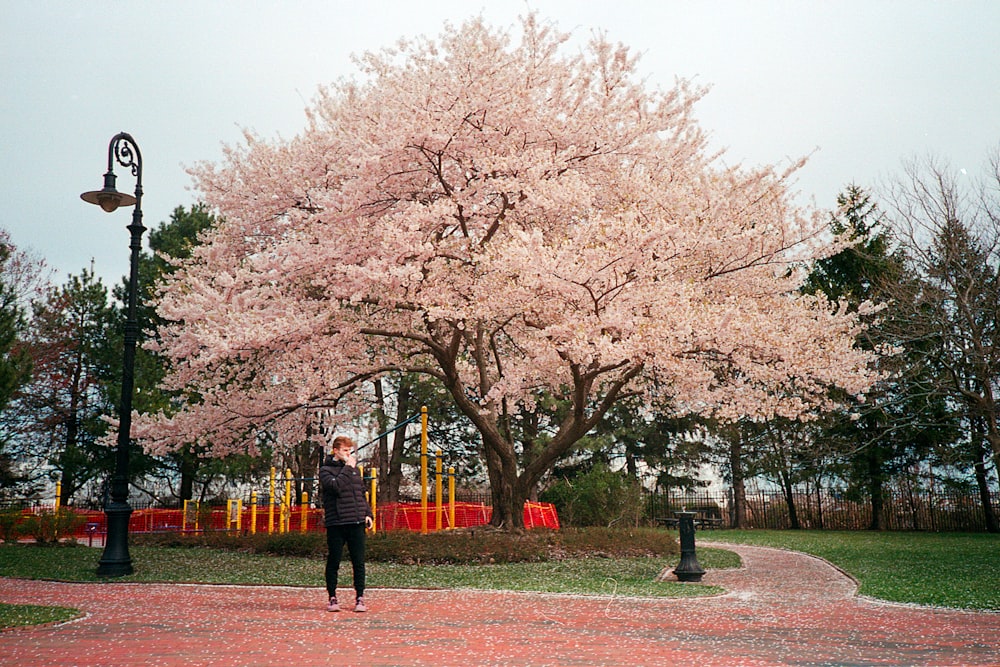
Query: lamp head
x=108, y=198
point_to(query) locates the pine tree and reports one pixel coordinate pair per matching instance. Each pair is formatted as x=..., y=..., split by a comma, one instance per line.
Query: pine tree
x=15, y=362
x=899, y=421
x=72, y=342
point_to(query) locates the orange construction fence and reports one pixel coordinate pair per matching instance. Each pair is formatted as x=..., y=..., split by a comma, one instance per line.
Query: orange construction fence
x=407, y=516
x=391, y=516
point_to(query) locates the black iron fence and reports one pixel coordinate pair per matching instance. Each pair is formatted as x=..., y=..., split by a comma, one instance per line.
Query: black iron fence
x=921, y=510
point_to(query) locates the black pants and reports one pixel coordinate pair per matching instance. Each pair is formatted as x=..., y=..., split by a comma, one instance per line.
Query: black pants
x=353, y=535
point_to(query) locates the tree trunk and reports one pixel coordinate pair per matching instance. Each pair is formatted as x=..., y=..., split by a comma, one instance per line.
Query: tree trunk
x=66, y=490
x=381, y=459
x=504, y=499
x=630, y=466
x=508, y=508
x=819, y=502
x=738, y=515
x=993, y=436
x=875, y=487
x=394, y=469
x=786, y=488
x=914, y=519
x=308, y=458
x=981, y=456
x=508, y=489
x=71, y=463
x=189, y=467
x=992, y=525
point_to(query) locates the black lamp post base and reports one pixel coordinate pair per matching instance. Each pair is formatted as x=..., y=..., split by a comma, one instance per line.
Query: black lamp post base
x=116, y=562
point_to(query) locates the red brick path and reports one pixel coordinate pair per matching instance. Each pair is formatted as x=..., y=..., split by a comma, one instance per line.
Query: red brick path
x=783, y=608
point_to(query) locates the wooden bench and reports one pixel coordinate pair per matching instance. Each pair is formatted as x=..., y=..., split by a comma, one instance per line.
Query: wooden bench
x=703, y=522
x=667, y=521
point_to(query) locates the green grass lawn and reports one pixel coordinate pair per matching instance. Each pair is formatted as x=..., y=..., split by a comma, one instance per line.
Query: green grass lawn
x=597, y=576
x=13, y=615
x=960, y=570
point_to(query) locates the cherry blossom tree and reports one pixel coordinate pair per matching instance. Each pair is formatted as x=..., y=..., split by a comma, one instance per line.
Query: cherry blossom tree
x=519, y=218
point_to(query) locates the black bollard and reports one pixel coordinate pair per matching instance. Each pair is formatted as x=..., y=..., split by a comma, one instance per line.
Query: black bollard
x=688, y=569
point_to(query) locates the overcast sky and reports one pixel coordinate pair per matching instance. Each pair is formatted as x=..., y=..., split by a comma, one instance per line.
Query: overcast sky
x=860, y=86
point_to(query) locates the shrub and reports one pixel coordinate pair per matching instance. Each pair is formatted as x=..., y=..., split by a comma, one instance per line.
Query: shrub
x=598, y=497
x=47, y=526
x=465, y=546
x=489, y=545
x=292, y=544
x=278, y=544
x=9, y=518
x=618, y=542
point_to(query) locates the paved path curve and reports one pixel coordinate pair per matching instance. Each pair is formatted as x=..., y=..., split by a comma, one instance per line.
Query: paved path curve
x=782, y=608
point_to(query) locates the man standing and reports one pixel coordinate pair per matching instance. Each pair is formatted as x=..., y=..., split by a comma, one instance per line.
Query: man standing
x=347, y=515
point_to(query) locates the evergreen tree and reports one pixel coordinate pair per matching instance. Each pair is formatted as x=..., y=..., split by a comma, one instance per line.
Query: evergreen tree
x=72, y=342
x=15, y=362
x=900, y=421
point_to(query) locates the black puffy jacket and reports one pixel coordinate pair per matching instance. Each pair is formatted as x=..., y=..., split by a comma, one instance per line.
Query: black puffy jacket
x=344, y=498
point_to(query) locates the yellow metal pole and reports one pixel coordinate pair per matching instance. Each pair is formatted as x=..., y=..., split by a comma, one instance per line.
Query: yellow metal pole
x=58, y=495
x=184, y=516
x=304, y=506
x=451, y=497
x=253, y=513
x=423, y=469
x=270, y=509
x=239, y=514
x=234, y=506
x=286, y=502
x=372, y=500
x=438, y=486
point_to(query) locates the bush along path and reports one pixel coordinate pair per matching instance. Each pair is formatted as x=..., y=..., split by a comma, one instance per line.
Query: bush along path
x=781, y=608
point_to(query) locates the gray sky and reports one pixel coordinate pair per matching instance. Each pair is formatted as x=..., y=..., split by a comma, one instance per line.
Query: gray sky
x=865, y=84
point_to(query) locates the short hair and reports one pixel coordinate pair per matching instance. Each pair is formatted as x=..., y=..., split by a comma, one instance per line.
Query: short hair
x=342, y=441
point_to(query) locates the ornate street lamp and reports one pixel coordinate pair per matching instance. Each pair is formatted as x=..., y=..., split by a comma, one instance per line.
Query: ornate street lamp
x=116, y=561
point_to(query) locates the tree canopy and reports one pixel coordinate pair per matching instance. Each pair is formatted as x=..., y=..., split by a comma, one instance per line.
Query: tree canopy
x=517, y=220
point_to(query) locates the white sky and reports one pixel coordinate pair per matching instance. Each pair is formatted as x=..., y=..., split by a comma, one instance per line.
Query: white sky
x=865, y=84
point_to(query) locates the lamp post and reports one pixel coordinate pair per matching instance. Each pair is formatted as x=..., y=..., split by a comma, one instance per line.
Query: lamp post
x=115, y=561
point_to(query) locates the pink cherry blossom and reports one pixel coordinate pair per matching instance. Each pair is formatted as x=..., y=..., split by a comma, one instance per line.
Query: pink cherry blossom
x=509, y=215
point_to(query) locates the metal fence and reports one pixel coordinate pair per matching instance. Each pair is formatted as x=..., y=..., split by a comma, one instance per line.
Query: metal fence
x=921, y=510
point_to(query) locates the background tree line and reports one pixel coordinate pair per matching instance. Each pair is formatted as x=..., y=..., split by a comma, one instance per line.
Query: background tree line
x=927, y=247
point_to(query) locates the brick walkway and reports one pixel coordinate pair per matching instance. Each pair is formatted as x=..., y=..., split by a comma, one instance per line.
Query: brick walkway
x=782, y=608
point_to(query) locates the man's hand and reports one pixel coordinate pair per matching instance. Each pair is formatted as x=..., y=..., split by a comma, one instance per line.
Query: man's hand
x=369, y=523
